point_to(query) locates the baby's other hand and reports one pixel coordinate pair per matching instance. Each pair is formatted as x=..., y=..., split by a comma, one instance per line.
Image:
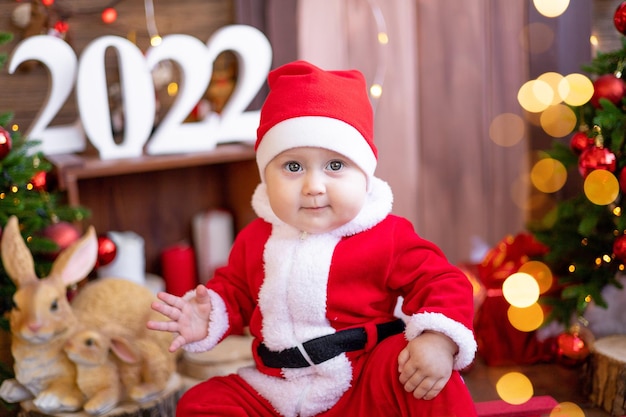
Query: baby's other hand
x=426, y=363
x=188, y=318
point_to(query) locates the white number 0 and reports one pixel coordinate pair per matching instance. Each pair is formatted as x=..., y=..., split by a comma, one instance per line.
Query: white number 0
x=194, y=59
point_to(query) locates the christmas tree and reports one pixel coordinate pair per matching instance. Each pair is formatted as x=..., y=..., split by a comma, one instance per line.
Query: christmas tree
x=586, y=239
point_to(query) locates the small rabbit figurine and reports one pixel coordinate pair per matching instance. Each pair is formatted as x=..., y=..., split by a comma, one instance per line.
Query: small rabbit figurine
x=98, y=375
x=108, y=366
x=43, y=319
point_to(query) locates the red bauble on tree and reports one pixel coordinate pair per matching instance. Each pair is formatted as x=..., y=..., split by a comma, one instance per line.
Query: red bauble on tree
x=40, y=180
x=579, y=142
x=609, y=87
x=61, y=233
x=619, y=247
x=571, y=349
x=106, y=251
x=596, y=157
x=619, y=18
x=5, y=143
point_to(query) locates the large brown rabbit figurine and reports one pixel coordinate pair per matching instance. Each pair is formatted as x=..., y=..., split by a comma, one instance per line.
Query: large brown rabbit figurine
x=43, y=319
x=40, y=322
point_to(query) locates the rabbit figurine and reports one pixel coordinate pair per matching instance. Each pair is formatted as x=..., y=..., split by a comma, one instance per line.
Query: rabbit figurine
x=40, y=322
x=97, y=370
x=108, y=366
x=43, y=319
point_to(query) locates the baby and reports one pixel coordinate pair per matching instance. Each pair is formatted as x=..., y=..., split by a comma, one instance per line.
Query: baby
x=317, y=276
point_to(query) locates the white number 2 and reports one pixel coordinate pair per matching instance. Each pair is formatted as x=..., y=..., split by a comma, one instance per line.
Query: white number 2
x=60, y=60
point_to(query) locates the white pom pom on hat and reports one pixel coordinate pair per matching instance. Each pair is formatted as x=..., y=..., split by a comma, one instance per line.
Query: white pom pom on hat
x=308, y=106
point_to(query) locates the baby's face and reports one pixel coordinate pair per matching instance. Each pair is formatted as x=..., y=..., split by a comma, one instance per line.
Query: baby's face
x=315, y=190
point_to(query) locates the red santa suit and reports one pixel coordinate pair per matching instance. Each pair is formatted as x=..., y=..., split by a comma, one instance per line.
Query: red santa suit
x=290, y=287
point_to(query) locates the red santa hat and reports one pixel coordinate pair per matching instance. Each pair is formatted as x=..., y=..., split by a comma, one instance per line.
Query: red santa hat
x=307, y=106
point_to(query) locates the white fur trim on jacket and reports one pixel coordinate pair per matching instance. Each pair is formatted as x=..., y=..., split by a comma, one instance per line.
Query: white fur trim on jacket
x=304, y=392
x=461, y=335
x=218, y=324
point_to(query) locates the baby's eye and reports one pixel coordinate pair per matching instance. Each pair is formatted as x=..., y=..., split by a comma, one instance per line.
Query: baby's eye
x=335, y=165
x=293, y=166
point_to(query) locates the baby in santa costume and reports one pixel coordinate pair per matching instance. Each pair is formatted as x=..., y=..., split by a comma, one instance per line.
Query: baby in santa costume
x=317, y=276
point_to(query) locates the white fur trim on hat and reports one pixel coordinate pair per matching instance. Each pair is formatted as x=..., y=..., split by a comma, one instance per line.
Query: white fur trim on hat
x=318, y=132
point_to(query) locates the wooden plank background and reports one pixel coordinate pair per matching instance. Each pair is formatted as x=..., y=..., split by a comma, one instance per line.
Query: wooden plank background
x=25, y=91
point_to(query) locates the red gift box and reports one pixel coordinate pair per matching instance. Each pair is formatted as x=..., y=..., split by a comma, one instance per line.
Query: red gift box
x=499, y=343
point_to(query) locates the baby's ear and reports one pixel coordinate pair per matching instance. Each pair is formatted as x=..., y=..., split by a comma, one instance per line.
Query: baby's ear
x=76, y=261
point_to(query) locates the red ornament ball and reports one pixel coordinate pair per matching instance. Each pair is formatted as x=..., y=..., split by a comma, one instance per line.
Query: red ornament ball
x=619, y=18
x=40, y=180
x=619, y=247
x=109, y=15
x=61, y=26
x=571, y=349
x=106, y=251
x=579, y=142
x=5, y=143
x=594, y=158
x=609, y=87
x=61, y=233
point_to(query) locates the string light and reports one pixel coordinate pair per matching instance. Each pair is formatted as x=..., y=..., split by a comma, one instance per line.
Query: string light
x=109, y=15
x=151, y=22
x=376, y=89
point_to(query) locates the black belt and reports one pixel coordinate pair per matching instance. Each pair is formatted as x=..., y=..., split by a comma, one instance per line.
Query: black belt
x=326, y=347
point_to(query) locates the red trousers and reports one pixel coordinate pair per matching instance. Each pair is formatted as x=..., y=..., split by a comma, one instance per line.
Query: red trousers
x=376, y=392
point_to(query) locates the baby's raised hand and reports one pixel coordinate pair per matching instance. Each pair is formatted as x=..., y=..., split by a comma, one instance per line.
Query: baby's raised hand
x=425, y=364
x=189, y=318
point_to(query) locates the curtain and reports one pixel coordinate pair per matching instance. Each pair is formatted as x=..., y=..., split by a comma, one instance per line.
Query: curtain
x=448, y=69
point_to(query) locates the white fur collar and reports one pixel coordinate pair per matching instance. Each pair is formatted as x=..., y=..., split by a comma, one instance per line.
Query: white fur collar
x=377, y=206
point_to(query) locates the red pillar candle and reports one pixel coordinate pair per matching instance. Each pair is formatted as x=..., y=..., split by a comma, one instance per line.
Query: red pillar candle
x=178, y=264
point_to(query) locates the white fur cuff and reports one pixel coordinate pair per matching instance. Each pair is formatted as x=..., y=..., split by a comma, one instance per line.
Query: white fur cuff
x=461, y=335
x=218, y=324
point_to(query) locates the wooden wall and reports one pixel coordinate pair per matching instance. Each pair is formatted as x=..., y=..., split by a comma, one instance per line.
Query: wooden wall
x=25, y=91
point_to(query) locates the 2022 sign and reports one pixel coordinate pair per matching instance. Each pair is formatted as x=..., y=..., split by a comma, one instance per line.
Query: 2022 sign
x=195, y=61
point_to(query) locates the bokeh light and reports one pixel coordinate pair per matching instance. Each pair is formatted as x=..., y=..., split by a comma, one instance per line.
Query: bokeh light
x=172, y=89
x=575, y=89
x=520, y=290
x=526, y=319
x=535, y=96
x=601, y=187
x=541, y=272
x=507, y=129
x=519, y=191
x=551, y=8
x=567, y=409
x=554, y=80
x=514, y=388
x=109, y=15
x=558, y=121
x=548, y=175
x=376, y=90
x=536, y=38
